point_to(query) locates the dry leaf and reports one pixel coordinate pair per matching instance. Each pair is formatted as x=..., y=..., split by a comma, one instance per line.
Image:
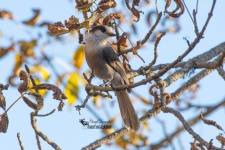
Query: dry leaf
x=103, y=5
x=136, y=13
x=173, y=13
x=24, y=85
x=72, y=23
x=39, y=100
x=80, y=3
x=112, y=16
x=57, y=93
x=4, y=51
x=123, y=39
x=6, y=14
x=4, y=122
x=32, y=21
x=57, y=29
x=81, y=37
x=2, y=101
x=83, y=5
x=27, y=48
x=221, y=139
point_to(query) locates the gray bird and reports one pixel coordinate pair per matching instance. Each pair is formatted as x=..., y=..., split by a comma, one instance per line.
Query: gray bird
x=105, y=64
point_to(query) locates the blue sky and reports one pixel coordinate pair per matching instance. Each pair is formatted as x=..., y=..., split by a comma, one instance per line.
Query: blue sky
x=64, y=127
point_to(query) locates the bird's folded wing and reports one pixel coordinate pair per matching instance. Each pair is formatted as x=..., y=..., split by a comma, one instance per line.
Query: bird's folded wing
x=112, y=59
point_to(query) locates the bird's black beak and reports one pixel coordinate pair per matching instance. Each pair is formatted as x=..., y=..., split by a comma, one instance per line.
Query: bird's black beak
x=111, y=34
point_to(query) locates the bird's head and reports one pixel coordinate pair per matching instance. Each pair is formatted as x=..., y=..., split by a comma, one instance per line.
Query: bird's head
x=99, y=34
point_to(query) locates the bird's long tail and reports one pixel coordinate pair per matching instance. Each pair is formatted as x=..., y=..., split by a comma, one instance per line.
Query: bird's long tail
x=127, y=110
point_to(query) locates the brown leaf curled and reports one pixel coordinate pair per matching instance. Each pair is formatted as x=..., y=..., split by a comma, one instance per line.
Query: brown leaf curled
x=112, y=16
x=2, y=101
x=38, y=98
x=33, y=20
x=173, y=13
x=2, y=98
x=123, y=39
x=136, y=2
x=136, y=13
x=80, y=3
x=4, y=121
x=72, y=23
x=57, y=29
x=57, y=93
x=24, y=85
x=81, y=37
x=103, y=5
x=210, y=122
x=221, y=139
x=83, y=5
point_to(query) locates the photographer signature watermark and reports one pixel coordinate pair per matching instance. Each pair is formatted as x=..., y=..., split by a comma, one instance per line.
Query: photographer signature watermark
x=96, y=124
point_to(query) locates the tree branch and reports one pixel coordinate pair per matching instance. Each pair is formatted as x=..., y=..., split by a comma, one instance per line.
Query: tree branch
x=191, y=122
x=188, y=128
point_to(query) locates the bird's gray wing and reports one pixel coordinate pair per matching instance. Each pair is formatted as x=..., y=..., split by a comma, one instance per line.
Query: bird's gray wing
x=112, y=59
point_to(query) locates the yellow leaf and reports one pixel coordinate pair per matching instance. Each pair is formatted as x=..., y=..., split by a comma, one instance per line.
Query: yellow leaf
x=78, y=57
x=18, y=63
x=72, y=88
x=43, y=71
x=41, y=92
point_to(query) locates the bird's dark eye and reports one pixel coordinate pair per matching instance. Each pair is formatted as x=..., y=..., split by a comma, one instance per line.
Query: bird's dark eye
x=103, y=30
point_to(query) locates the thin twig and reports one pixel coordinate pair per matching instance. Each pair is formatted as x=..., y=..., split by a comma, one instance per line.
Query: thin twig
x=188, y=11
x=144, y=40
x=155, y=51
x=44, y=115
x=38, y=141
x=196, y=7
x=188, y=128
x=78, y=107
x=20, y=141
x=41, y=134
x=156, y=6
x=14, y=103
